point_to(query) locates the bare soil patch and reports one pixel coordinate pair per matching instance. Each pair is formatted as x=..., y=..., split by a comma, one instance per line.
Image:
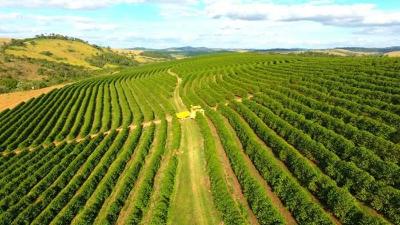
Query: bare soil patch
x=10, y=100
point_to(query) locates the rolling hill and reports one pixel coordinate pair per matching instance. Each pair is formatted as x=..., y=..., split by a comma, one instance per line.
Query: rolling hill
x=358, y=51
x=274, y=139
x=340, y=51
x=57, y=50
x=48, y=60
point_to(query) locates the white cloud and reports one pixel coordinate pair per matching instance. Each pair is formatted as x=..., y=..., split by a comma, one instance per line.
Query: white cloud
x=239, y=23
x=91, y=25
x=81, y=4
x=177, y=11
x=323, y=12
x=27, y=25
x=10, y=16
x=68, y=4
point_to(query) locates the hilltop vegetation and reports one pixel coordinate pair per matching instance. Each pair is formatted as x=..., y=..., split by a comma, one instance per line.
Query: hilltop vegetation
x=285, y=139
x=52, y=59
x=54, y=49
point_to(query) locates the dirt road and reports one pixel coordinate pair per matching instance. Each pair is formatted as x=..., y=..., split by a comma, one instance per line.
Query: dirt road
x=192, y=201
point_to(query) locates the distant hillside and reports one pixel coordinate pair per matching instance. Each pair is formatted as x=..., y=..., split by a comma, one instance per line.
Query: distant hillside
x=145, y=56
x=277, y=50
x=175, y=52
x=343, y=52
x=360, y=51
x=372, y=50
x=188, y=51
x=194, y=51
x=61, y=49
x=393, y=54
x=47, y=60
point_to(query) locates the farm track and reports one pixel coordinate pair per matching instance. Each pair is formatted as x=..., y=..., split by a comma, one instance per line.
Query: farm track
x=192, y=200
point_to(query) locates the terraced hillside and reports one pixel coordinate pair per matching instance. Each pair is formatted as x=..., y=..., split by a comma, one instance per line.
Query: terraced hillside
x=284, y=140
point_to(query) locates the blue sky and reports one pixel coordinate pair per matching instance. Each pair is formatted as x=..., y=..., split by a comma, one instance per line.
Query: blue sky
x=209, y=23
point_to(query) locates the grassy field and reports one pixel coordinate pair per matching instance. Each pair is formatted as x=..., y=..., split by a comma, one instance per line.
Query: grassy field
x=66, y=51
x=284, y=139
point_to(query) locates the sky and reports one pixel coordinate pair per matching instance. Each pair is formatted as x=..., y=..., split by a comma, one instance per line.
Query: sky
x=258, y=24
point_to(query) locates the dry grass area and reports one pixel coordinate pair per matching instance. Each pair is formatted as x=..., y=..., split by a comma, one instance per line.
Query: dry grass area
x=393, y=54
x=136, y=54
x=67, y=51
x=143, y=59
x=179, y=56
x=10, y=100
x=127, y=51
x=344, y=52
x=146, y=59
x=21, y=69
x=4, y=41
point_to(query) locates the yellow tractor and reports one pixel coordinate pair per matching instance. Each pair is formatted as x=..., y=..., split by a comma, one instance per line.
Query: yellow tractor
x=190, y=114
x=183, y=115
